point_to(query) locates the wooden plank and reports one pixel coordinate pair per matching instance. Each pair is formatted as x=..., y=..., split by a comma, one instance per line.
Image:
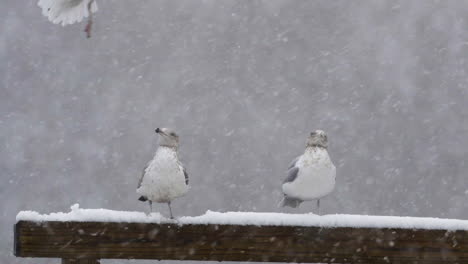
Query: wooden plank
x=98, y=240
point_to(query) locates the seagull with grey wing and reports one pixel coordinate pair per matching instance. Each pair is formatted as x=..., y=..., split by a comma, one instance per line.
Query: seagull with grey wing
x=311, y=176
x=164, y=178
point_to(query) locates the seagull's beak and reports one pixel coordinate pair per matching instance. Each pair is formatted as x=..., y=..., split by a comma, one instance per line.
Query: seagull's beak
x=159, y=131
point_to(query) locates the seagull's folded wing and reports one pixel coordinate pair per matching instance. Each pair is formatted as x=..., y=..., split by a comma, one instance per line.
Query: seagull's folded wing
x=185, y=173
x=66, y=11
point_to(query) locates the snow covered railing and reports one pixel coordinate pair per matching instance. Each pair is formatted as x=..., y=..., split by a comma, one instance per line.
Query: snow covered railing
x=87, y=235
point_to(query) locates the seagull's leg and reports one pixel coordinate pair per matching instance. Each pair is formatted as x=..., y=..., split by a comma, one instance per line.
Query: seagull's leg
x=90, y=20
x=318, y=206
x=151, y=206
x=170, y=209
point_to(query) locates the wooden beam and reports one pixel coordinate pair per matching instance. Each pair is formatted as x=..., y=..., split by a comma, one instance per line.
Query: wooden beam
x=99, y=240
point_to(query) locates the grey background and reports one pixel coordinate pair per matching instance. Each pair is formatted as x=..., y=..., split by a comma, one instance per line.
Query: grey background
x=243, y=82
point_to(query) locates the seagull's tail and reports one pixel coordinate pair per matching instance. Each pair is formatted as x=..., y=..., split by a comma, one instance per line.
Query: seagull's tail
x=143, y=199
x=291, y=202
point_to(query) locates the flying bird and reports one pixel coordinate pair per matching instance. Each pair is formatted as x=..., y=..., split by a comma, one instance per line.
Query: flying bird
x=67, y=12
x=164, y=178
x=311, y=176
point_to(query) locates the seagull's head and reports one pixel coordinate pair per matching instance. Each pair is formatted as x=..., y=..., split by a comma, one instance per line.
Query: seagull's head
x=317, y=138
x=167, y=137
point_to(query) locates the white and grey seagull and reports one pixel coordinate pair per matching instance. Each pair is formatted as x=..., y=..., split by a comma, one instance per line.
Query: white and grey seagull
x=311, y=176
x=164, y=178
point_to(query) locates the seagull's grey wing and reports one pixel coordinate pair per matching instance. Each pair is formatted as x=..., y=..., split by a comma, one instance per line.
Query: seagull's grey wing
x=142, y=175
x=292, y=174
x=293, y=163
x=181, y=166
x=186, y=177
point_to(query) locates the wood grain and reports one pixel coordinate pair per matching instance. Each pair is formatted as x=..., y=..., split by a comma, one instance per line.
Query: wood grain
x=98, y=240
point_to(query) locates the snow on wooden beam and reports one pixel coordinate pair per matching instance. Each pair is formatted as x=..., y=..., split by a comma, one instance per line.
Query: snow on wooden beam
x=232, y=242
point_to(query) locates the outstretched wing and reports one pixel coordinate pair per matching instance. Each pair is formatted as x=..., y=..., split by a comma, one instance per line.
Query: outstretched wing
x=67, y=11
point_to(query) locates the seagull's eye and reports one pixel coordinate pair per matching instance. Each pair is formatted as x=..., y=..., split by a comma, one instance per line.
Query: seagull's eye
x=173, y=134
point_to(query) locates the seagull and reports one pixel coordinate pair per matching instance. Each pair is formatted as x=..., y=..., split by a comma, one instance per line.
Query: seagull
x=67, y=12
x=164, y=178
x=311, y=176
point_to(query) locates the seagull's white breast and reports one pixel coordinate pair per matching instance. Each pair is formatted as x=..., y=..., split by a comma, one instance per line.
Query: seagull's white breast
x=315, y=178
x=164, y=178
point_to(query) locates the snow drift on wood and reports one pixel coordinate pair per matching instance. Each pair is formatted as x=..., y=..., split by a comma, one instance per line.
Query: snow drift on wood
x=250, y=218
x=90, y=215
x=67, y=11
